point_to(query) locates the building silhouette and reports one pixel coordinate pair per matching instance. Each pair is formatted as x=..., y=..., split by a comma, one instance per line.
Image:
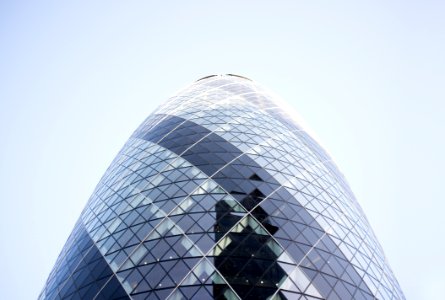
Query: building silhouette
x=220, y=194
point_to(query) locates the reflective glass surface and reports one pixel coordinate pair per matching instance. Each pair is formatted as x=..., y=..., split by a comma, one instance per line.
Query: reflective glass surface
x=219, y=194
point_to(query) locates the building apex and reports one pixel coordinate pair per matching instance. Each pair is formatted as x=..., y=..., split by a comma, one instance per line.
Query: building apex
x=223, y=75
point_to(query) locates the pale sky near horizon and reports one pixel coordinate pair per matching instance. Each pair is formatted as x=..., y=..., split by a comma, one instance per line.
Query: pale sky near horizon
x=368, y=77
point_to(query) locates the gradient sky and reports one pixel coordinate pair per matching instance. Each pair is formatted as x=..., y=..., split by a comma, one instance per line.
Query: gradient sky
x=76, y=78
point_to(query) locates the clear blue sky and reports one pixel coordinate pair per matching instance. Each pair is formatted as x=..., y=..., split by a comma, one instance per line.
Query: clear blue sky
x=76, y=78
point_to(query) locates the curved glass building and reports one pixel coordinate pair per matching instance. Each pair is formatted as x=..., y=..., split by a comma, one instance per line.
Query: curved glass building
x=219, y=194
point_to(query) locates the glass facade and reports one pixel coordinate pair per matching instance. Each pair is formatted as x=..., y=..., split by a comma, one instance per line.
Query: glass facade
x=219, y=194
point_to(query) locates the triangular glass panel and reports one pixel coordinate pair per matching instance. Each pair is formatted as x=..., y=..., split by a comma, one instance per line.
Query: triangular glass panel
x=176, y=295
x=153, y=235
x=162, y=294
x=138, y=254
x=127, y=265
x=203, y=270
x=191, y=279
x=191, y=248
x=230, y=295
x=143, y=286
x=256, y=226
x=289, y=285
x=236, y=207
x=290, y=295
x=202, y=293
x=217, y=250
x=183, y=206
x=276, y=296
x=215, y=278
x=209, y=185
x=205, y=243
x=221, y=245
x=199, y=191
x=133, y=279
x=170, y=254
x=167, y=227
x=188, y=291
x=278, y=251
x=255, y=177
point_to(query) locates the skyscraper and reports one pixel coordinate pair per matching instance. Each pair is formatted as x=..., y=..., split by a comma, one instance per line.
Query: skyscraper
x=219, y=194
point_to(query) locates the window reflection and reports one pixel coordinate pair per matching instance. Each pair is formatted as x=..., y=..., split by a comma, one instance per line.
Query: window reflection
x=244, y=255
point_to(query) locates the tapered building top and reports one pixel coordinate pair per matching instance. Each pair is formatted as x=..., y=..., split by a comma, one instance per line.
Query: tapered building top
x=219, y=194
